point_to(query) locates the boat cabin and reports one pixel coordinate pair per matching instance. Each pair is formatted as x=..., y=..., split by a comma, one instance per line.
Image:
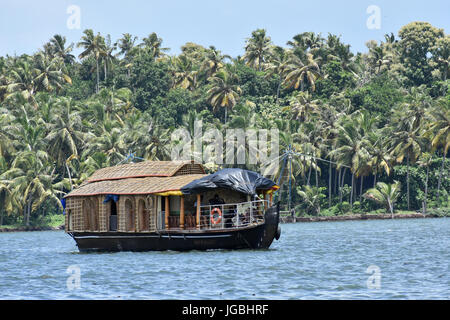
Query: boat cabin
x=173, y=196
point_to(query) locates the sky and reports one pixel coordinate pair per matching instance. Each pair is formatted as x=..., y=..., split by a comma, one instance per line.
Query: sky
x=26, y=25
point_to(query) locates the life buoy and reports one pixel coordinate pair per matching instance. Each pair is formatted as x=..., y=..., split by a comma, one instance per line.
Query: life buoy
x=215, y=211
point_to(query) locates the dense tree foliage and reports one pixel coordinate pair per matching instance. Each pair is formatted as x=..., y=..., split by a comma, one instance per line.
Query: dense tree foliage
x=380, y=118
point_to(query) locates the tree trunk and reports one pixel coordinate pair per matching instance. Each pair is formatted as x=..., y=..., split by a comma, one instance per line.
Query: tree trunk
x=226, y=114
x=278, y=88
x=407, y=178
x=440, y=179
x=426, y=192
x=351, y=193
x=317, y=176
x=361, y=188
x=335, y=182
x=375, y=179
x=309, y=174
x=106, y=71
x=329, y=184
x=391, y=208
x=98, y=75
x=70, y=177
x=1, y=218
x=27, y=220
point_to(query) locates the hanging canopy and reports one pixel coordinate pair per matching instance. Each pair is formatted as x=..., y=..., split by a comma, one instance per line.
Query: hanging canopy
x=240, y=180
x=110, y=197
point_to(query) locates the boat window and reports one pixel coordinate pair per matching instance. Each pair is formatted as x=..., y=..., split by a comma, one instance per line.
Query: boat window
x=130, y=216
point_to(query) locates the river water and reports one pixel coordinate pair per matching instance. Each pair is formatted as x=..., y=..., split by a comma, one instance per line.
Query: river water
x=382, y=259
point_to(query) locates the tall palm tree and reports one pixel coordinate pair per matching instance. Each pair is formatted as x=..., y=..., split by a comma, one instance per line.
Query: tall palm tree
x=351, y=150
x=107, y=55
x=49, y=74
x=299, y=73
x=278, y=65
x=439, y=131
x=19, y=79
x=126, y=44
x=93, y=45
x=57, y=48
x=425, y=161
x=223, y=91
x=213, y=61
x=258, y=49
x=183, y=72
x=379, y=153
x=152, y=44
x=378, y=58
x=407, y=141
x=66, y=136
x=302, y=105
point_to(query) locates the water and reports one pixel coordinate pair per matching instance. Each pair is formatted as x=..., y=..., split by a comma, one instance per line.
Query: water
x=326, y=260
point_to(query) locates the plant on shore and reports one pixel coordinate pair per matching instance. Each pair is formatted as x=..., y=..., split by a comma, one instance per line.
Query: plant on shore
x=385, y=194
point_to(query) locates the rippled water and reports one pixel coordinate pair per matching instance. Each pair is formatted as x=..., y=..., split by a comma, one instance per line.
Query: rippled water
x=326, y=260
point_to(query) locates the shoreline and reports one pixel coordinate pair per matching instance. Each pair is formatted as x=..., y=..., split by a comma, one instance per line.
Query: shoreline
x=285, y=219
x=353, y=217
x=31, y=228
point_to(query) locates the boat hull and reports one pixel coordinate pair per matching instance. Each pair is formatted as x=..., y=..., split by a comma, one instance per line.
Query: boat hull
x=252, y=237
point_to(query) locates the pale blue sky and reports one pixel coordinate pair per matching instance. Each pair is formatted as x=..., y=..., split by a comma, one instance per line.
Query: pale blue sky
x=26, y=25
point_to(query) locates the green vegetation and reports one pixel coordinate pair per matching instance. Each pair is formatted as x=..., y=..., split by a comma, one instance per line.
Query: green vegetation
x=379, y=116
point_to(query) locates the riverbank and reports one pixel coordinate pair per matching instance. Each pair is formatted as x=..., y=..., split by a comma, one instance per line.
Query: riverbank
x=47, y=223
x=29, y=228
x=348, y=217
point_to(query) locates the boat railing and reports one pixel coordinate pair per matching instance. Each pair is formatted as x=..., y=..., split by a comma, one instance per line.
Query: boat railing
x=232, y=215
x=228, y=216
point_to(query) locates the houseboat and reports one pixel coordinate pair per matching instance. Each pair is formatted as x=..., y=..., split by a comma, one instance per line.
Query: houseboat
x=172, y=205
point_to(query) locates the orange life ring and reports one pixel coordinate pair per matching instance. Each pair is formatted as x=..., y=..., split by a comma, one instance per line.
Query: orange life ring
x=213, y=212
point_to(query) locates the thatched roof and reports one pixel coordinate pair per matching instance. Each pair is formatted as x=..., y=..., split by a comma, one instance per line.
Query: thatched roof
x=135, y=186
x=147, y=169
x=146, y=177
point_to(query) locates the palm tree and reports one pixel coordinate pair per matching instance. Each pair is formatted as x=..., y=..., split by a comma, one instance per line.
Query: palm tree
x=406, y=141
x=107, y=55
x=258, y=49
x=439, y=131
x=299, y=73
x=278, y=65
x=57, y=48
x=49, y=74
x=311, y=197
x=93, y=46
x=152, y=44
x=19, y=79
x=66, y=136
x=223, y=91
x=379, y=153
x=126, y=44
x=386, y=194
x=183, y=73
x=425, y=161
x=213, y=61
x=31, y=181
x=302, y=106
x=378, y=58
x=351, y=150
x=112, y=143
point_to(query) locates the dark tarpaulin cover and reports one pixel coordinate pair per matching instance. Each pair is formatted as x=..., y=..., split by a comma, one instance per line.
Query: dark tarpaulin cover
x=240, y=180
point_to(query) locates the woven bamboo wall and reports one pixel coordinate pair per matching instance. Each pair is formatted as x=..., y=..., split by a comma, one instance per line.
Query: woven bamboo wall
x=74, y=207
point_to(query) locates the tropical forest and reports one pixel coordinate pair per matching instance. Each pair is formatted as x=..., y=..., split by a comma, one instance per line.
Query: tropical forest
x=372, y=129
